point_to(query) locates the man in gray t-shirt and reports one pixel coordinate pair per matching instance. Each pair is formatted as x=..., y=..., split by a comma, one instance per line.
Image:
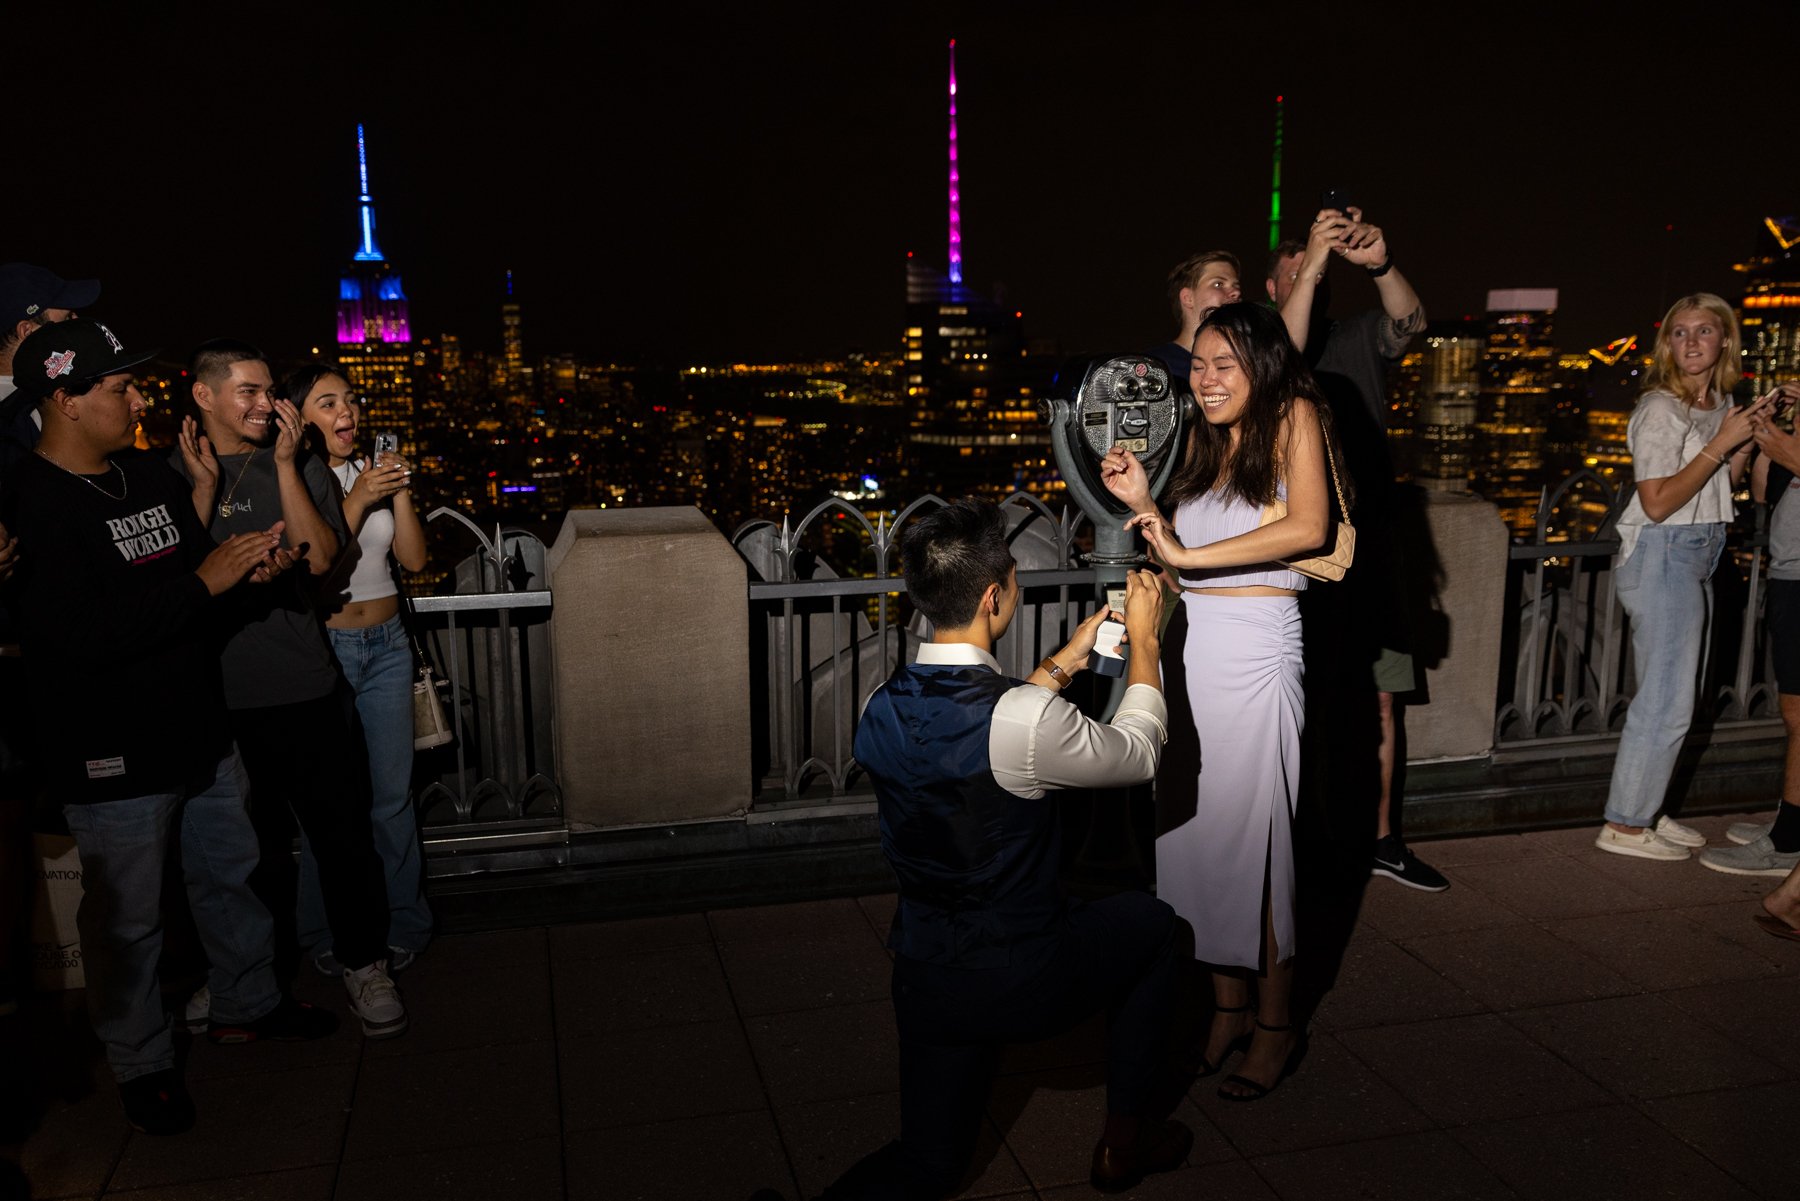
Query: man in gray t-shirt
x=294, y=730
x=278, y=653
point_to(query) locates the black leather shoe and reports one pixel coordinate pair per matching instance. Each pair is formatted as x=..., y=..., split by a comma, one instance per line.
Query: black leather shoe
x=1160, y=1150
x=158, y=1103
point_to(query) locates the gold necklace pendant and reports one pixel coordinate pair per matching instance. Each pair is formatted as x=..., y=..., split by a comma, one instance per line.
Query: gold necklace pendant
x=225, y=505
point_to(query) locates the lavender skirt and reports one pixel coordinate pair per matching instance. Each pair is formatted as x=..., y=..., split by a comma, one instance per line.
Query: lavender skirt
x=1243, y=668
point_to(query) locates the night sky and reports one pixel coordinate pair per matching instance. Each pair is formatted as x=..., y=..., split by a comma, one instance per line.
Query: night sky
x=706, y=184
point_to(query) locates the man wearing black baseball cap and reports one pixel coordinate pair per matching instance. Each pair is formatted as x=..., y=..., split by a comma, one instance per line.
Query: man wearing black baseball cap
x=30, y=297
x=115, y=593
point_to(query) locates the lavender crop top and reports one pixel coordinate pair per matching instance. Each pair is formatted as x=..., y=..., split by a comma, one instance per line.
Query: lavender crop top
x=1216, y=516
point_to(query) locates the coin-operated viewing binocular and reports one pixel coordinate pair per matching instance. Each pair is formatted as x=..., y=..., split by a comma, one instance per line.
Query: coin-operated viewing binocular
x=1128, y=400
x=1096, y=404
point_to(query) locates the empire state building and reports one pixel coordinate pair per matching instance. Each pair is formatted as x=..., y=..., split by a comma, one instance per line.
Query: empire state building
x=375, y=349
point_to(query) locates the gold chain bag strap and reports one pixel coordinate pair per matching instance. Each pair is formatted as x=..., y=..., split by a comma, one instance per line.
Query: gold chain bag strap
x=431, y=724
x=1331, y=565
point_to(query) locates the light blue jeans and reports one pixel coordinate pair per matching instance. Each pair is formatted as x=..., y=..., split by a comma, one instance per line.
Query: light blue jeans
x=124, y=845
x=377, y=661
x=1666, y=588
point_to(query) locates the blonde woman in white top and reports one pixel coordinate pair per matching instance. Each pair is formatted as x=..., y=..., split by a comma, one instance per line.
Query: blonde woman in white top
x=1690, y=446
x=363, y=623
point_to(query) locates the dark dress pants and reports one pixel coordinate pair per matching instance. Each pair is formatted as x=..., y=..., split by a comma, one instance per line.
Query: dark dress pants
x=1119, y=955
x=307, y=759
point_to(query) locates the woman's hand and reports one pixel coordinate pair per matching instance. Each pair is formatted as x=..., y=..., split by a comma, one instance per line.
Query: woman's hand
x=378, y=483
x=1740, y=425
x=1124, y=477
x=1161, y=537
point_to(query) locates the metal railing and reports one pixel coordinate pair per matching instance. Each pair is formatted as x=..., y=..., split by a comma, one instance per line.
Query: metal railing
x=1569, y=651
x=830, y=622
x=826, y=640
x=490, y=641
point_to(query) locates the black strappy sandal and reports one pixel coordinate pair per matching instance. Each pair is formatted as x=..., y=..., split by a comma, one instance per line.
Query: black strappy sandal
x=1241, y=1043
x=1262, y=1090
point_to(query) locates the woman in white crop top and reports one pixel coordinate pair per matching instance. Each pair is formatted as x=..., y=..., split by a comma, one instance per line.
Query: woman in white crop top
x=1227, y=863
x=1689, y=448
x=372, y=648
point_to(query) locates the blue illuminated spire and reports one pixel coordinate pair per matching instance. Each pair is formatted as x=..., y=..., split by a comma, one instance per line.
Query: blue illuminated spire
x=366, y=251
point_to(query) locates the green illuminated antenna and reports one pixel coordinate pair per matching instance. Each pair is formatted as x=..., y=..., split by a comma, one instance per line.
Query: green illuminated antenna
x=1275, y=186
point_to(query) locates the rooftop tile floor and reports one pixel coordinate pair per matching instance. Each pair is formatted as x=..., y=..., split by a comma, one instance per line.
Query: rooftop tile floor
x=1561, y=1023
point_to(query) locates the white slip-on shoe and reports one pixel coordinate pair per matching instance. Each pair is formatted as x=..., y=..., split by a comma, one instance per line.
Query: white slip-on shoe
x=1745, y=833
x=375, y=1000
x=1759, y=858
x=1643, y=844
x=1670, y=830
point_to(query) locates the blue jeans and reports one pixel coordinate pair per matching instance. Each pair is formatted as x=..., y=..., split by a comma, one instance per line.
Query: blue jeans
x=377, y=661
x=124, y=846
x=1666, y=588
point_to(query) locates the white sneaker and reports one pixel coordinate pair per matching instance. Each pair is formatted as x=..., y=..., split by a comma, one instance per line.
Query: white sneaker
x=1759, y=858
x=1670, y=830
x=375, y=1000
x=1644, y=844
x=196, y=1014
x=1745, y=833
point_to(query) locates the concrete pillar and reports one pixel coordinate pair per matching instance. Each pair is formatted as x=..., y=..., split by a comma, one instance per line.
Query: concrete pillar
x=652, y=668
x=1457, y=560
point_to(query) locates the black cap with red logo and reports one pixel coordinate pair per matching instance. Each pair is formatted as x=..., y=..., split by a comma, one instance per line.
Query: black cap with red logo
x=70, y=352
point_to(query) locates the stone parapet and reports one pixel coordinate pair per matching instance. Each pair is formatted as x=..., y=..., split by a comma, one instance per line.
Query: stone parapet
x=652, y=680
x=1456, y=560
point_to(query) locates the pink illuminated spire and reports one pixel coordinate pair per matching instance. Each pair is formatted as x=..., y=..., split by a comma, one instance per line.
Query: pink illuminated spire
x=955, y=186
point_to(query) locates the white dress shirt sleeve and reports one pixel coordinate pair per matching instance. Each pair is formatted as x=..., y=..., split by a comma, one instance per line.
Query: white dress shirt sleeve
x=1040, y=741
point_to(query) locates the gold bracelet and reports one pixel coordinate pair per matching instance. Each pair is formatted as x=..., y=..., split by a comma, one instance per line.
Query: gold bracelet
x=1050, y=667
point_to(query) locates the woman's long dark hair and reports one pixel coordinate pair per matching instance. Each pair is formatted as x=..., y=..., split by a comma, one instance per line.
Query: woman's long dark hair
x=1276, y=374
x=296, y=386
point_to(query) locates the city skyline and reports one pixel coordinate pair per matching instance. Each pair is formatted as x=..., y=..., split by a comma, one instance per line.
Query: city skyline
x=701, y=185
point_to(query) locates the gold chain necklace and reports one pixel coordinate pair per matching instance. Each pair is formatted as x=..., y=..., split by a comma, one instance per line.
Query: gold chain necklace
x=124, y=484
x=225, y=505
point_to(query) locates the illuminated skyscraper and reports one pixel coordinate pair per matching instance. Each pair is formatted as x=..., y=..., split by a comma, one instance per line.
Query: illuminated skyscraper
x=512, y=345
x=374, y=336
x=1441, y=380
x=1769, y=312
x=970, y=393
x=1512, y=416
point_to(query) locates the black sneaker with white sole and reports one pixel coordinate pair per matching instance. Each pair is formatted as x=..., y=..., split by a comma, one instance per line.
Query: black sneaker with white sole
x=1393, y=860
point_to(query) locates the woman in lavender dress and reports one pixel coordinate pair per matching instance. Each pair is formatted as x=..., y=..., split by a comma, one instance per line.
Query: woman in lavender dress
x=1229, y=869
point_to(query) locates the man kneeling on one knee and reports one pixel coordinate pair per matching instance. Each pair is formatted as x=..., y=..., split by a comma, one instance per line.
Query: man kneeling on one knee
x=988, y=951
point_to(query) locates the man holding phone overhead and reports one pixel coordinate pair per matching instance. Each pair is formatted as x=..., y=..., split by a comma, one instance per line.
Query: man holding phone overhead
x=1350, y=358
